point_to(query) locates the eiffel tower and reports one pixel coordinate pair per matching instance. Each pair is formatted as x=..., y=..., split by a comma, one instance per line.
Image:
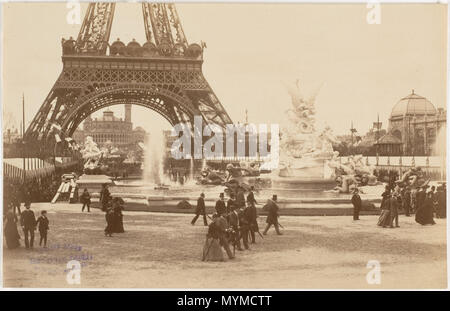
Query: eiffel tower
x=163, y=74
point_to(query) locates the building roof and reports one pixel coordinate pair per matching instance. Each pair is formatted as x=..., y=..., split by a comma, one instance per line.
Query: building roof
x=389, y=139
x=413, y=104
x=108, y=115
x=139, y=129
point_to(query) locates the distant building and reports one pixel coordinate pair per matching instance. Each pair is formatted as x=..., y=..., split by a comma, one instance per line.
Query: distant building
x=110, y=128
x=416, y=124
x=245, y=140
x=388, y=145
x=415, y=127
x=11, y=136
x=368, y=143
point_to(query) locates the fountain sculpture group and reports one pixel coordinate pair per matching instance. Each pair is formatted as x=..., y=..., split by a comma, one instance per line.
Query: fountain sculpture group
x=307, y=156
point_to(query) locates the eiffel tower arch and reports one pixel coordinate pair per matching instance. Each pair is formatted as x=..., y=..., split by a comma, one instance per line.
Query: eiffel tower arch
x=163, y=74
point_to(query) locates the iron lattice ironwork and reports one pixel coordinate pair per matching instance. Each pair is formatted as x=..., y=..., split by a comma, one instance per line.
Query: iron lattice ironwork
x=164, y=74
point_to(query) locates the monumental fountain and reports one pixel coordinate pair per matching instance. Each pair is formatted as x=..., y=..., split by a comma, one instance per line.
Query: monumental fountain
x=93, y=178
x=308, y=162
x=305, y=152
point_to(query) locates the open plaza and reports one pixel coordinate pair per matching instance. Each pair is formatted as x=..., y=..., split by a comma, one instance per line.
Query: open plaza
x=161, y=250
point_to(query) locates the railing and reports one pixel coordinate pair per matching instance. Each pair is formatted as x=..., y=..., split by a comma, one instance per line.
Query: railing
x=433, y=166
x=17, y=168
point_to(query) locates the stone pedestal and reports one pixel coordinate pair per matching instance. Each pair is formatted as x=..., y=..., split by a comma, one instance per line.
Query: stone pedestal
x=93, y=183
x=308, y=173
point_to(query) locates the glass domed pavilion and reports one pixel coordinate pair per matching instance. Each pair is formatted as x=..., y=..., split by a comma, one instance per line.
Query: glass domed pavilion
x=416, y=122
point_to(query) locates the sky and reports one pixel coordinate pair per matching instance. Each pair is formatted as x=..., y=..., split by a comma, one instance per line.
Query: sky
x=253, y=51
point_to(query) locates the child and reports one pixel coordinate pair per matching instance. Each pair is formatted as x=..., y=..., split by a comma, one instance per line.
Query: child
x=42, y=223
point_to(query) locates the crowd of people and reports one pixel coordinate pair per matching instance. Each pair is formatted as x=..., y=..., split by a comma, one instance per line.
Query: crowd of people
x=234, y=224
x=17, y=197
x=424, y=201
x=14, y=216
x=29, y=224
x=40, y=189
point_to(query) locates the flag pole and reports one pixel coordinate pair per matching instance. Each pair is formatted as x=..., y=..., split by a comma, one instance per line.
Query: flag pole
x=378, y=132
x=23, y=137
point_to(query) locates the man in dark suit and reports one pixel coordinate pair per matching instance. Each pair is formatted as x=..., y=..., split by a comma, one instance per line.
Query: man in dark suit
x=244, y=226
x=356, y=201
x=220, y=205
x=16, y=200
x=251, y=215
x=231, y=203
x=233, y=220
x=272, y=216
x=240, y=198
x=200, y=210
x=28, y=223
x=222, y=226
x=251, y=197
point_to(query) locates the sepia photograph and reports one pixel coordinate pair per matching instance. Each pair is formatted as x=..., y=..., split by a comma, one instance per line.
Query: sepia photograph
x=206, y=146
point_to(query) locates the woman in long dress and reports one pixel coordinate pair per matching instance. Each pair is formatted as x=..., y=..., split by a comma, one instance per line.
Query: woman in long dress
x=385, y=217
x=212, y=250
x=424, y=213
x=105, y=197
x=442, y=201
x=118, y=216
x=11, y=233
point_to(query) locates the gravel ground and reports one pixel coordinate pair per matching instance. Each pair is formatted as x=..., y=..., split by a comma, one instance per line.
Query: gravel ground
x=160, y=250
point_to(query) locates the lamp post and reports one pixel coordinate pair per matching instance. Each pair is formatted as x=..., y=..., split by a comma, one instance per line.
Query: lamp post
x=352, y=130
x=377, y=133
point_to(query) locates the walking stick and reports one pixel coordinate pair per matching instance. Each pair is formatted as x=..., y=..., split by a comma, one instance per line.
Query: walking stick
x=260, y=235
x=280, y=225
x=257, y=232
x=234, y=244
x=207, y=251
x=234, y=248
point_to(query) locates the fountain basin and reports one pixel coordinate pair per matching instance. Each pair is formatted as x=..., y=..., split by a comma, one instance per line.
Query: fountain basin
x=305, y=174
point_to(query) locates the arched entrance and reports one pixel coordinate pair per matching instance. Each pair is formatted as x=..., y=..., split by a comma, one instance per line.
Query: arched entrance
x=173, y=107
